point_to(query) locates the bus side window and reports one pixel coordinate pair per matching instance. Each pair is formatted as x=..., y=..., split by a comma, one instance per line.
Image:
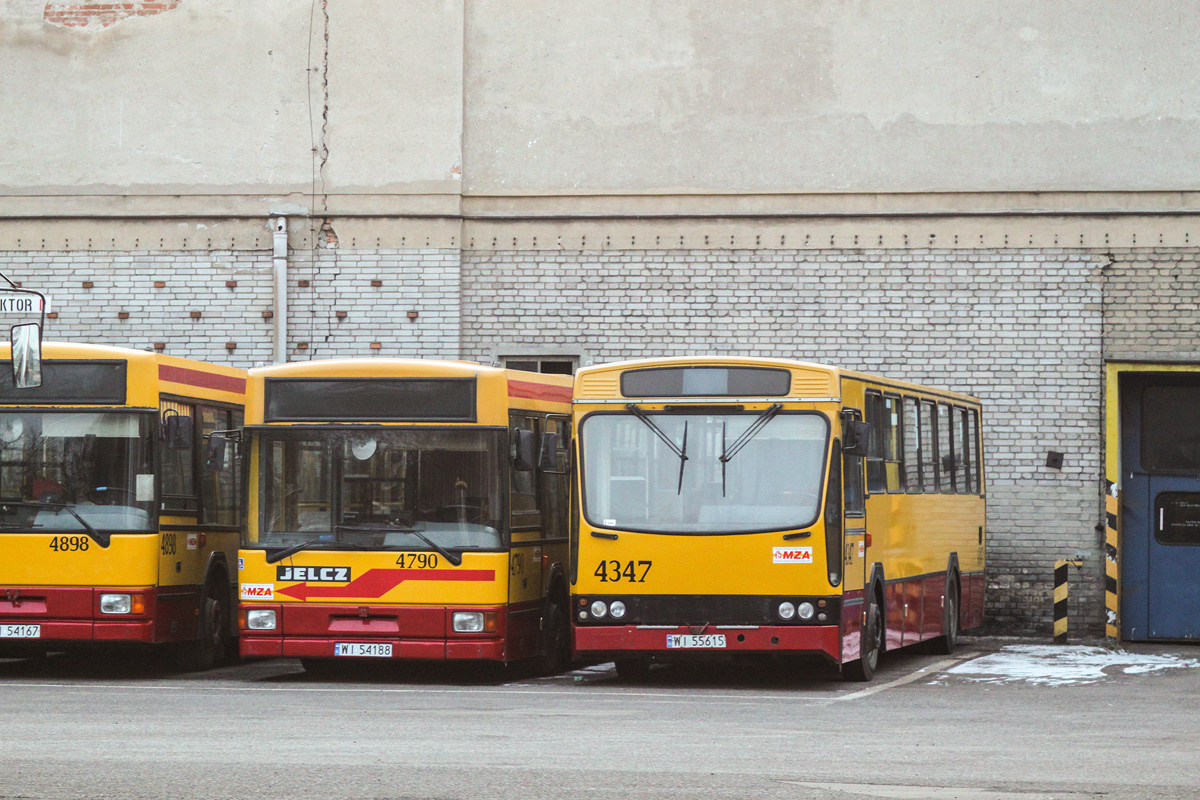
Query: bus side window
x=945, y=426
x=221, y=485
x=929, y=461
x=912, y=446
x=876, y=465
x=893, y=452
x=552, y=486
x=976, y=461
x=852, y=477
x=962, y=461
x=179, y=491
x=523, y=485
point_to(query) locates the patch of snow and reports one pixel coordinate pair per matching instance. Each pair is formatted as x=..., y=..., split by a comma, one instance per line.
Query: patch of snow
x=1053, y=665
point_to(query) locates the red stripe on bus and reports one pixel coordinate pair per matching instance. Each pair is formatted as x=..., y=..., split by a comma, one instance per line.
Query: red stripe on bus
x=539, y=391
x=206, y=380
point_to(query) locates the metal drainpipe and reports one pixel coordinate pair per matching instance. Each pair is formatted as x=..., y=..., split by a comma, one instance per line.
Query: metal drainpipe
x=279, y=259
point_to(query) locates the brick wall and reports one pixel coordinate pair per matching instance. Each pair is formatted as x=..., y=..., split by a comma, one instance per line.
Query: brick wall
x=1020, y=329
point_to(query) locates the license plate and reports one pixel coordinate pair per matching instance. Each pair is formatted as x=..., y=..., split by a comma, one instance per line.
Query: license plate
x=712, y=641
x=20, y=631
x=362, y=650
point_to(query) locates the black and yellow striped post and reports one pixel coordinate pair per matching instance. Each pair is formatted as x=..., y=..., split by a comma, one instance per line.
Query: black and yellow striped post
x=1111, y=540
x=1061, y=574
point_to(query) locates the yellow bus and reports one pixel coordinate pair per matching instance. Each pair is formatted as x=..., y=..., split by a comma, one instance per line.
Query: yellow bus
x=406, y=509
x=748, y=508
x=119, y=503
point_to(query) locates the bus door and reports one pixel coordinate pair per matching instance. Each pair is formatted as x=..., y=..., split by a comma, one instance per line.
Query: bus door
x=525, y=556
x=1161, y=507
x=855, y=542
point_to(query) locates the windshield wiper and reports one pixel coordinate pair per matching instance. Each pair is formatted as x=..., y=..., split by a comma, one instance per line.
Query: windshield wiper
x=99, y=538
x=667, y=440
x=451, y=556
x=727, y=453
x=317, y=544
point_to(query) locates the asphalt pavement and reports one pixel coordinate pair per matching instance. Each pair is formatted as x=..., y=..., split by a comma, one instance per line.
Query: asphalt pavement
x=998, y=719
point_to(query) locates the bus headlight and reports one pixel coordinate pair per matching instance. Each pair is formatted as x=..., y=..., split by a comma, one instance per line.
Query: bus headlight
x=786, y=610
x=805, y=610
x=467, y=621
x=260, y=619
x=617, y=609
x=116, y=604
x=599, y=609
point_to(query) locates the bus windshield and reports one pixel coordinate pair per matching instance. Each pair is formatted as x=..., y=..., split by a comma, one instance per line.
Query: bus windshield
x=68, y=471
x=724, y=473
x=382, y=488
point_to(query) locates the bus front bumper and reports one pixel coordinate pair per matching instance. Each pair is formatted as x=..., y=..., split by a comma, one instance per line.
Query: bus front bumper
x=407, y=633
x=44, y=617
x=622, y=641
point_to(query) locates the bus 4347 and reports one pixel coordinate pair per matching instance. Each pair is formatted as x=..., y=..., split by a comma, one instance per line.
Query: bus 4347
x=734, y=507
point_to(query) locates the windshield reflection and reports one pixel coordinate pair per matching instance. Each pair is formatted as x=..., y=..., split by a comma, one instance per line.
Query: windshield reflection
x=745, y=472
x=382, y=488
x=95, y=464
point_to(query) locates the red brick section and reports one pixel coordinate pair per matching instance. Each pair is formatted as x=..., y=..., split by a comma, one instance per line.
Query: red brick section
x=81, y=15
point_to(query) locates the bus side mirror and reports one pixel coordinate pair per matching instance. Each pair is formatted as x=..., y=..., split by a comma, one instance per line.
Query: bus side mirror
x=27, y=355
x=214, y=455
x=524, y=450
x=548, y=452
x=857, y=433
x=179, y=432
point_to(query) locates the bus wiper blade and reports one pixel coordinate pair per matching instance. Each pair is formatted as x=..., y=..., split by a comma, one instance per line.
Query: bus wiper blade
x=451, y=556
x=317, y=544
x=644, y=418
x=727, y=453
x=99, y=538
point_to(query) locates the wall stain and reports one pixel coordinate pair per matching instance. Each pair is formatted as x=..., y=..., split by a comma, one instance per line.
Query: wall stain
x=103, y=15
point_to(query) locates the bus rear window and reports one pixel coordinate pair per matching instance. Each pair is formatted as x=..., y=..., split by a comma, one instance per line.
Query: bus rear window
x=706, y=382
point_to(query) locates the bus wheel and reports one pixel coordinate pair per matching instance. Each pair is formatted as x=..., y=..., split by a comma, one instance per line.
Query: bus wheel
x=212, y=640
x=633, y=669
x=945, y=644
x=870, y=643
x=556, y=643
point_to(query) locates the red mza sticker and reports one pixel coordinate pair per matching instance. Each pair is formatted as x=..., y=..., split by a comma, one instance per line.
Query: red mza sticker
x=792, y=555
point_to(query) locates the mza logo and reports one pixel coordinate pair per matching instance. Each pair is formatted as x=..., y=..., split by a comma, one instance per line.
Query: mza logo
x=313, y=574
x=791, y=555
x=258, y=591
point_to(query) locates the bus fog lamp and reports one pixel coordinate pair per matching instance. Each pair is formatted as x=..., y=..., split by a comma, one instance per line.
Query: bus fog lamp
x=786, y=610
x=599, y=609
x=468, y=621
x=260, y=619
x=805, y=610
x=115, y=604
x=617, y=609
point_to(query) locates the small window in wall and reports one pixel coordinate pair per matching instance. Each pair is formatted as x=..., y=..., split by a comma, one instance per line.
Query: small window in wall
x=945, y=448
x=912, y=445
x=550, y=365
x=876, y=465
x=930, y=474
x=976, y=459
x=893, y=454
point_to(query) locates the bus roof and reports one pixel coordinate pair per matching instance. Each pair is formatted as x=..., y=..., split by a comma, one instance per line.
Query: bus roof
x=811, y=381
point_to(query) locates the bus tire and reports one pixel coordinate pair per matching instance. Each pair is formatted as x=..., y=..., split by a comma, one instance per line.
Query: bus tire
x=212, y=638
x=945, y=644
x=556, y=642
x=870, y=644
x=633, y=669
